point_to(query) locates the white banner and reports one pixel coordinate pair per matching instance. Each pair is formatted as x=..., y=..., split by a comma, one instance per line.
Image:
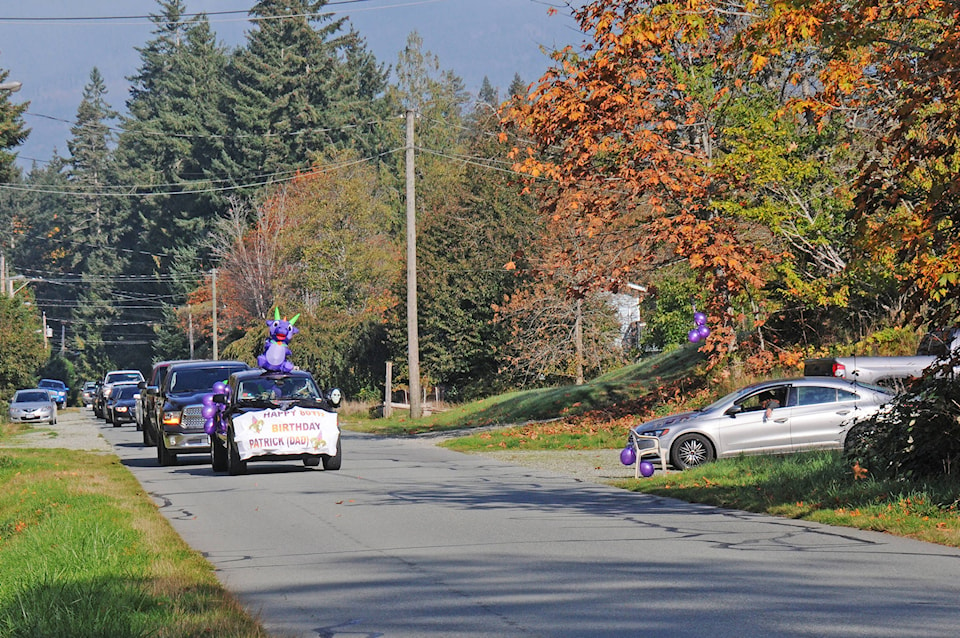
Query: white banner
x=293, y=431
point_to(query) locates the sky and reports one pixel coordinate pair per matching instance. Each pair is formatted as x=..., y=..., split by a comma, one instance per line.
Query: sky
x=53, y=52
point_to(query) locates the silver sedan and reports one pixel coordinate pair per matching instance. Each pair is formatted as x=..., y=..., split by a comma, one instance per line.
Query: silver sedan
x=771, y=417
x=33, y=405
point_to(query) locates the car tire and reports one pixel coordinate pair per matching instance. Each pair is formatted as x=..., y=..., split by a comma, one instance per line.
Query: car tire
x=218, y=454
x=691, y=450
x=235, y=465
x=116, y=422
x=311, y=461
x=164, y=456
x=148, y=440
x=332, y=463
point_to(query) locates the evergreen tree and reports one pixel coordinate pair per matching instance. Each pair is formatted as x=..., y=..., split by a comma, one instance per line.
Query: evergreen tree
x=170, y=142
x=298, y=86
x=12, y=131
x=174, y=130
x=97, y=226
x=517, y=87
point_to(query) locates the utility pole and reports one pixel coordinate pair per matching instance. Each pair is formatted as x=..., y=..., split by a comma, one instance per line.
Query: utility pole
x=413, y=333
x=190, y=332
x=214, y=301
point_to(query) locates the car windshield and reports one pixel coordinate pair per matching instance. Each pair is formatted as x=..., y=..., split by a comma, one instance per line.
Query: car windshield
x=733, y=396
x=286, y=389
x=126, y=392
x=31, y=397
x=198, y=379
x=121, y=377
x=46, y=383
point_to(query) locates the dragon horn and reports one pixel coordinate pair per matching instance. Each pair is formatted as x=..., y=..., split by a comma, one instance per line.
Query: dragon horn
x=295, y=317
x=276, y=313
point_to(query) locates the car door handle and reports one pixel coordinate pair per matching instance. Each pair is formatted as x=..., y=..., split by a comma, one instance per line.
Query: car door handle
x=783, y=420
x=843, y=412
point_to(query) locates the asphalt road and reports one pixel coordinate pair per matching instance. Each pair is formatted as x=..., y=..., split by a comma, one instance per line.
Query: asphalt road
x=411, y=540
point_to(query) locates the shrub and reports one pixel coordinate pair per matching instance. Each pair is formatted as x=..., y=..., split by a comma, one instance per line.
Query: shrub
x=917, y=436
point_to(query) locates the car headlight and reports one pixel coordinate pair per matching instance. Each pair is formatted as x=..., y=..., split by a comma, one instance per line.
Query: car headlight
x=120, y=408
x=658, y=432
x=171, y=418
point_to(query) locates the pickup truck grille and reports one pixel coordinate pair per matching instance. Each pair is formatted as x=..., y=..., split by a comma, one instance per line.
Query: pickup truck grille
x=192, y=417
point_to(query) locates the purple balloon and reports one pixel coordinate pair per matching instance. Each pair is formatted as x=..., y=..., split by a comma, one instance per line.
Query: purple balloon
x=219, y=387
x=699, y=318
x=208, y=426
x=208, y=411
x=703, y=331
x=646, y=469
x=693, y=336
x=628, y=456
x=207, y=399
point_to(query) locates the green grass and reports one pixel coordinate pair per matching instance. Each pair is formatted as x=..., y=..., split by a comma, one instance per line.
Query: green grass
x=84, y=552
x=601, y=400
x=821, y=487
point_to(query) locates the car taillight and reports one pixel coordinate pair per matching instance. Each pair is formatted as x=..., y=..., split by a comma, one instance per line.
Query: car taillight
x=839, y=369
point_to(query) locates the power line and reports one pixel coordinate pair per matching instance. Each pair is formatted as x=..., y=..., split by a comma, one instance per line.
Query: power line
x=135, y=19
x=140, y=189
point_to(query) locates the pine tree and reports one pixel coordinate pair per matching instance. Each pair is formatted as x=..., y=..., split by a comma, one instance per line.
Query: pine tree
x=298, y=86
x=12, y=131
x=97, y=226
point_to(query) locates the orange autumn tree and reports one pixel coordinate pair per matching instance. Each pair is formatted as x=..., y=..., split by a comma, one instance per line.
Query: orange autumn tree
x=622, y=139
x=895, y=65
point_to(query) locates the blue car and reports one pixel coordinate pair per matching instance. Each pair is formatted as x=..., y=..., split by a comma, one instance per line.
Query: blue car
x=58, y=389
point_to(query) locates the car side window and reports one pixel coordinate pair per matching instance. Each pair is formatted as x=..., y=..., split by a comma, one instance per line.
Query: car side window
x=771, y=398
x=814, y=395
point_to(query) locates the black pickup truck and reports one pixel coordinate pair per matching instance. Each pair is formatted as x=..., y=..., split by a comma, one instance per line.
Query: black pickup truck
x=178, y=406
x=275, y=416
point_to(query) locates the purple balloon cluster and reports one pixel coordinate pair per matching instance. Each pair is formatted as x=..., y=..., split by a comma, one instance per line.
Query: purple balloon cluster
x=213, y=412
x=700, y=331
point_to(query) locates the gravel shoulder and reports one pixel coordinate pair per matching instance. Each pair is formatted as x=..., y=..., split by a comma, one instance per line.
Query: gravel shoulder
x=597, y=466
x=74, y=430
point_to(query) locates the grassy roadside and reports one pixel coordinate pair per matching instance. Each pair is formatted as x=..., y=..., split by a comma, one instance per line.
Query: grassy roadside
x=594, y=414
x=821, y=487
x=84, y=552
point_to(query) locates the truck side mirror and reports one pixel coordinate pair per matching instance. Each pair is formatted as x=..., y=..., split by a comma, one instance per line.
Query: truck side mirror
x=220, y=398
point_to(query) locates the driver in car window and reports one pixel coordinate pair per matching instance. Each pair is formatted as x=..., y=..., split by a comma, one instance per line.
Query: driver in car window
x=768, y=402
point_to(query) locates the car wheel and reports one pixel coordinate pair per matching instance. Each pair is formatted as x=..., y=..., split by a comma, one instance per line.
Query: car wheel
x=148, y=439
x=165, y=456
x=311, y=461
x=235, y=465
x=332, y=462
x=218, y=454
x=115, y=420
x=691, y=450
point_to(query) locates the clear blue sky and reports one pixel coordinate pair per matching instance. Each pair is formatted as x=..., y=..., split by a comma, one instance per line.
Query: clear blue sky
x=53, y=59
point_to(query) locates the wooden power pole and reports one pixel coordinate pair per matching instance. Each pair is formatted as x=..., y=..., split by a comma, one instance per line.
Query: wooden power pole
x=413, y=333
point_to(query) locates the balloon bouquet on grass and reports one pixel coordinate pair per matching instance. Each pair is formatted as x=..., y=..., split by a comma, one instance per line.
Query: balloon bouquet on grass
x=700, y=330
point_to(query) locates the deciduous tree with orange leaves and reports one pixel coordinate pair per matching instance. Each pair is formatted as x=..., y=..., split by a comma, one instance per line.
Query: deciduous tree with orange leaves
x=896, y=64
x=623, y=141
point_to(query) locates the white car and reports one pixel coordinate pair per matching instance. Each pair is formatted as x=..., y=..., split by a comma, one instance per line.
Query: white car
x=771, y=417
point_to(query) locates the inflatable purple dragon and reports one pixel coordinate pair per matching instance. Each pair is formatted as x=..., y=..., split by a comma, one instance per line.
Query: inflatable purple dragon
x=276, y=352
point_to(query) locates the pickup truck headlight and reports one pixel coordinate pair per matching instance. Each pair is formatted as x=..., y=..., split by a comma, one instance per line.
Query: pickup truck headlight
x=171, y=418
